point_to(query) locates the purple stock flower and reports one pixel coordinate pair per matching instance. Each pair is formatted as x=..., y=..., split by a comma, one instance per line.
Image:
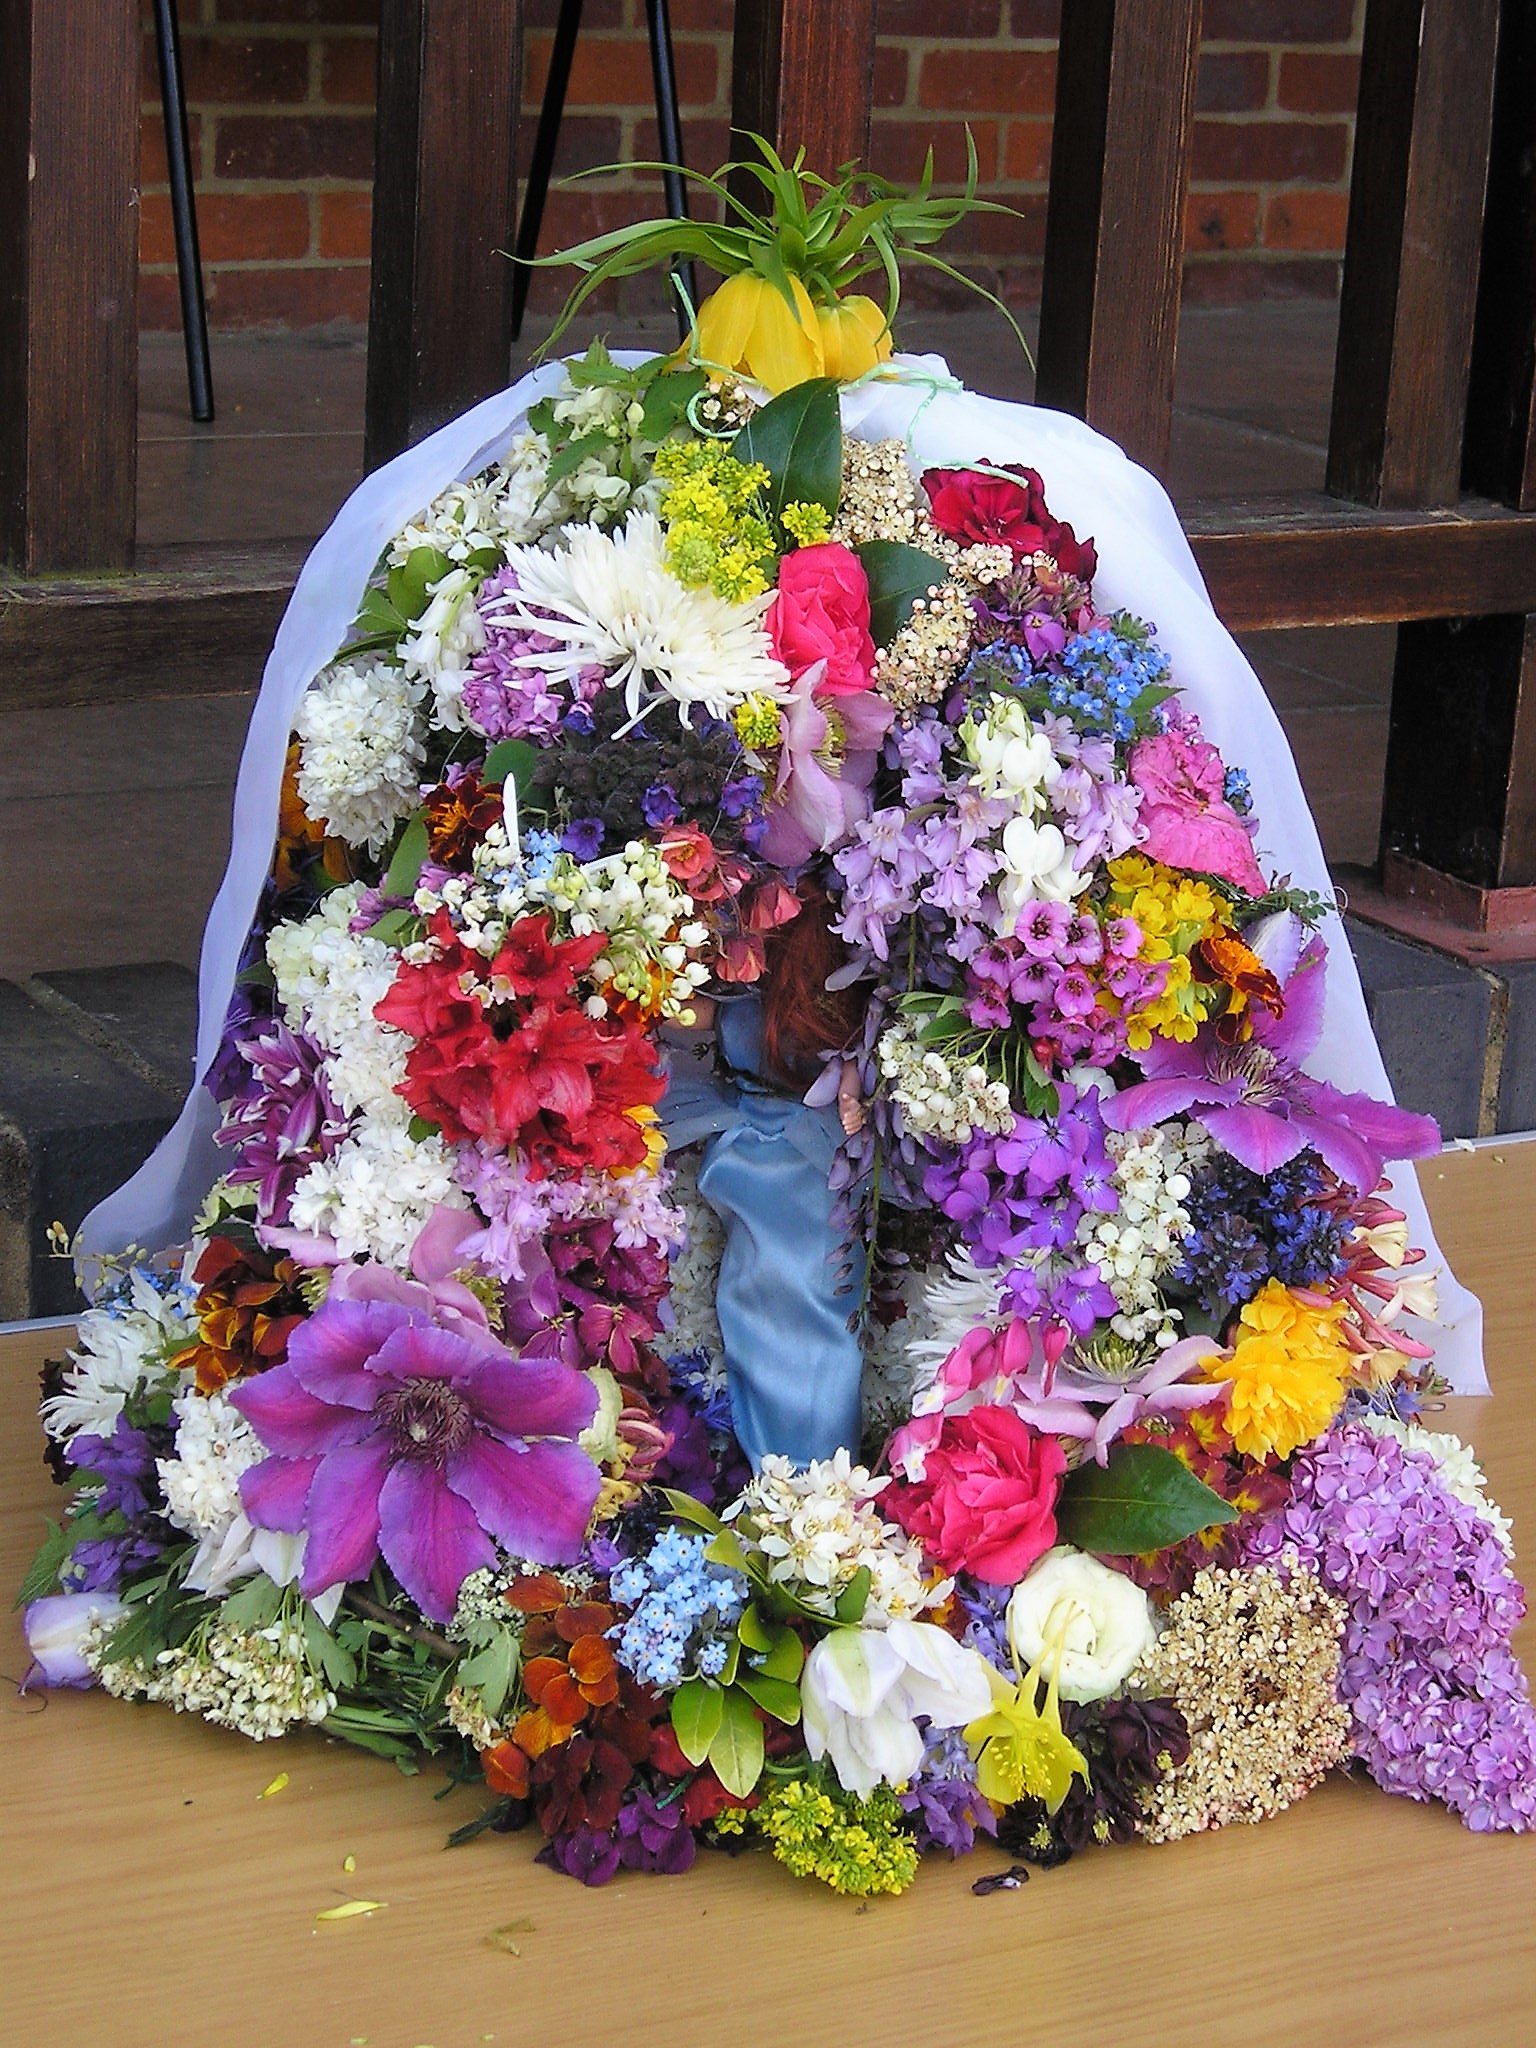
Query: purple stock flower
x=392, y=1434
x=654, y=1835
x=591, y=1855
x=123, y=1464
x=282, y=1120
x=1258, y=1105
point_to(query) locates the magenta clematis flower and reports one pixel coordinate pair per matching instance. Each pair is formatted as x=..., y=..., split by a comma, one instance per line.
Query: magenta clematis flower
x=827, y=756
x=391, y=1433
x=1260, y=1107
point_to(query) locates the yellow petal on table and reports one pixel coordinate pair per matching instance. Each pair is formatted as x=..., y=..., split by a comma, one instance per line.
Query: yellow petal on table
x=352, y=1909
x=855, y=338
x=278, y=1784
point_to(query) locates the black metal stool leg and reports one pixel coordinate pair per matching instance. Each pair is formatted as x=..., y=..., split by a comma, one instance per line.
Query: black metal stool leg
x=189, y=270
x=670, y=135
x=547, y=134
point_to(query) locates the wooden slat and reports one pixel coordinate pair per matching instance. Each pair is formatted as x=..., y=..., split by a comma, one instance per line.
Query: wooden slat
x=1501, y=410
x=439, y=333
x=1460, y=786
x=1411, y=251
x=802, y=73
x=69, y=251
x=1109, y=305
x=1310, y=560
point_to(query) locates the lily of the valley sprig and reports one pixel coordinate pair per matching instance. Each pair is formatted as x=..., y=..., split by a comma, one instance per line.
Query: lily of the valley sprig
x=787, y=310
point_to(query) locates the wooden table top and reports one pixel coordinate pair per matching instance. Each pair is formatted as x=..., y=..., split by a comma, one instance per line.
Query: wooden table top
x=150, y=1898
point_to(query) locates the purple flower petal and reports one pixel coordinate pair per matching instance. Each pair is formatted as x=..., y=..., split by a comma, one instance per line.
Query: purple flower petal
x=530, y=1396
x=292, y=1421
x=1146, y=1103
x=421, y=1351
x=537, y=1501
x=430, y=1537
x=329, y=1354
x=274, y=1492
x=1295, y=1032
x=1256, y=1138
x=343, y=1516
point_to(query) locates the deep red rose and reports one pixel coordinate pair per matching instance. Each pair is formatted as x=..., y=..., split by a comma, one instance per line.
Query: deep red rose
x=821, y=613
x=986, y=1502
x=975, y=507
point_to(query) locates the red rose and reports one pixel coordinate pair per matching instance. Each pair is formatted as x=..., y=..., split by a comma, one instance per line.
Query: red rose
x=976, y=508
x=821, y=613
x=986, y=1502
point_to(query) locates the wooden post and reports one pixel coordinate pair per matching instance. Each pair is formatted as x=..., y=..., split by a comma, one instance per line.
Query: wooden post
x=444, y=208
x=1114, y=228
x=1411, y=251
x=69, y=254
x=802, y=74
x=1500, y=456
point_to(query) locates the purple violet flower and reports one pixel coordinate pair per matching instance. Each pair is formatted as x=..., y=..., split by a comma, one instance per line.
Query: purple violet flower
x=390, y=1434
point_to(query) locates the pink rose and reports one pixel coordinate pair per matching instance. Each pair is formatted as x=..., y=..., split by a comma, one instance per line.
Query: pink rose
x=1186, y=819
x=986, y=1502
x=822, y=614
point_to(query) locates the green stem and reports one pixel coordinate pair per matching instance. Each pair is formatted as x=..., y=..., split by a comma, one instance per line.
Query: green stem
x=376, y=1612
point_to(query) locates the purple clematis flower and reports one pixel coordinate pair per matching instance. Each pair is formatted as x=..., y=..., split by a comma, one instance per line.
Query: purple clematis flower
x=1260, y=1107
x=392, y=1433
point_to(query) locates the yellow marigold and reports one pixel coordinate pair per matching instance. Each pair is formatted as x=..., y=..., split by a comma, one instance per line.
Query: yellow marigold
x=1286, y=1373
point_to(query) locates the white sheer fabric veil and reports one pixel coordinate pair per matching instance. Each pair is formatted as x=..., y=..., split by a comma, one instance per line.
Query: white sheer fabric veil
x=1145, y=566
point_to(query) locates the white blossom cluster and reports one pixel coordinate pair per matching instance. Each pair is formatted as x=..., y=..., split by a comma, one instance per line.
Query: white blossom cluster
x=257, y=1681
x=1139, y=1242
x=214, y=1445
x=937, y=1096
x=695, y=1266
x=441, y=645
x=814, y=1529
x=376, y=1191
x=498, y=509
x=361, y=749
x=119, y=1349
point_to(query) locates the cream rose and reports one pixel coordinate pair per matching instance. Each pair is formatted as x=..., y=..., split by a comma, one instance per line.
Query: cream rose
x=1101, y=1620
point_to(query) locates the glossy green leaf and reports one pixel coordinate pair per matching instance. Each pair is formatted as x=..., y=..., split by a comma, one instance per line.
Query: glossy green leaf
x=755, y=1633
x=686, y=1509
x=727, y=1549
x=736, y=1753
x=898, y=576
x=698, y=1709
x=511, y=761
x=854, y=1598
x=395, y=927
x=798, y=438
x=408, y=859
x=1144, y=1499
x=785, y=1656
x=776, y=1696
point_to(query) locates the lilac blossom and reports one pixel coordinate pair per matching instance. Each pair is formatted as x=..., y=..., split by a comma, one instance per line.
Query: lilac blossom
x=1259, y=1106
x=1440, y=1708
x=504, y=699
x=391, y=1434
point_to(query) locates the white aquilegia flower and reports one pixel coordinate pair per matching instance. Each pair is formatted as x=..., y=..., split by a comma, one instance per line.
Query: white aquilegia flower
x=609, y=601
x=863, y=1689
x=1096, y=1621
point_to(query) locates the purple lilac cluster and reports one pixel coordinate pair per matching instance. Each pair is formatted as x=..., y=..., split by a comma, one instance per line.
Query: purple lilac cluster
x=1440, y=1706
x=505, y=701
x=1024, y=1194
x=280, y=1119
x=1075, y=979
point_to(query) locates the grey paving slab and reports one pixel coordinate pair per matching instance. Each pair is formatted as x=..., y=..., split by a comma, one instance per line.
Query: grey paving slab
x=1432, y=1018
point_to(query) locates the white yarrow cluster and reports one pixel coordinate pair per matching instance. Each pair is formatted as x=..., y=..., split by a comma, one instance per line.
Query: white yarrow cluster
x=815, y=1529
x=938, y=1097
x=1139, y=1242
x=256, y=1681
x=361, y=749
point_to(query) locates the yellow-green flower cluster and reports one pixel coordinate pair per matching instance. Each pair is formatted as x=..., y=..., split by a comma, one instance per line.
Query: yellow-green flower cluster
x=717, y=537
x=857, y=1846
x=756, y=719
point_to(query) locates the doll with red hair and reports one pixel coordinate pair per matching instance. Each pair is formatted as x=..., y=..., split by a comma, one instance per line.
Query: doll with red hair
x=787, y=1305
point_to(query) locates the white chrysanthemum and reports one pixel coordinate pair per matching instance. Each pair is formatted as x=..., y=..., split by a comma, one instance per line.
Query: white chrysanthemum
x=376, y=1191
x=496, y=510
x=214, y=1445
x=443, y=642
x=329, y=980
x=361, y=749
x=118, y=1349
x=608, y=600
x=953, y=1300
x=1455, y=1467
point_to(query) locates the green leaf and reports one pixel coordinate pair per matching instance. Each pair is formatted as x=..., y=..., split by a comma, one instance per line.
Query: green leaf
x=511, y=761
x=736, y=1752
x=395, y=927
x=1145, y=1499
x=775, y=1696
x=754, y=1632
x=408, y=859
x=898, y=576
x=798, y=438
x=336, y=1663
x=420, y=1128
x=728, y=1670
x=407, y=584
x=491, y=1670
x=687, y=1509
x=570, y=458
x=785, y=1657
x=667, y=402
x=727, y=1550
x=254, y=1606
x=854, y=1598
x=43, y=1573
x=698, y=1709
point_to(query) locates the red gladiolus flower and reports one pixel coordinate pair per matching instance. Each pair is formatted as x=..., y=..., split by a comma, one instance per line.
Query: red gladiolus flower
x=504, y=1051
x=974, y=507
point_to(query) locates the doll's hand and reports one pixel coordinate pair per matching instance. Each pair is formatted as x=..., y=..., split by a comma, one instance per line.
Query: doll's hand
x=850, y=1100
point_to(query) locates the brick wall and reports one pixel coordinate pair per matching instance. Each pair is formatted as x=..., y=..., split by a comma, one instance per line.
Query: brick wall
x=282, y=137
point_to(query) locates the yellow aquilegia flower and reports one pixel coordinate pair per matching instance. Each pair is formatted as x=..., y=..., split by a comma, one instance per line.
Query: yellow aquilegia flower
x=749, y=326
x=1021, y=1749
x=1286, y=1373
